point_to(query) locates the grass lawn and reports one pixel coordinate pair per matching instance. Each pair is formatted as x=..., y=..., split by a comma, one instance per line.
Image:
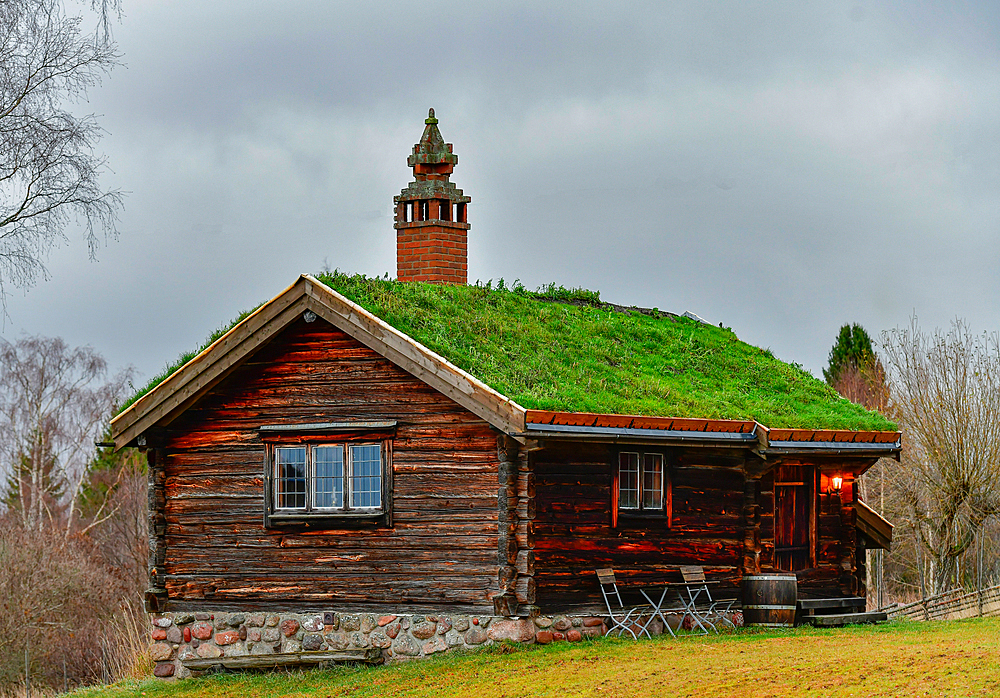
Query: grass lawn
x=950, y=658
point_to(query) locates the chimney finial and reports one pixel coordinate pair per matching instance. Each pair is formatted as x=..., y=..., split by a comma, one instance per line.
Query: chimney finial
x=431, y=221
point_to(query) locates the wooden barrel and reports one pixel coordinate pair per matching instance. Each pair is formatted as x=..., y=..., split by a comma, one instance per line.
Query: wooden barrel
x=769, y=600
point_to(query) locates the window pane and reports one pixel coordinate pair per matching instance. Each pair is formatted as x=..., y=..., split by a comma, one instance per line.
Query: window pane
x=628, y=480
x=328, y=478
x=290, y=477
x=652, y=481
x=366, y=476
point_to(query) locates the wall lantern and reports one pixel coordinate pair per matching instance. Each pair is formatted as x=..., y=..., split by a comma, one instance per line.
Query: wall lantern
x=836, y=483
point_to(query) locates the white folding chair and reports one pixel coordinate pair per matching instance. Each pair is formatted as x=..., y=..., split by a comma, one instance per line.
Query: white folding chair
x=624, y=619
x=694, y=578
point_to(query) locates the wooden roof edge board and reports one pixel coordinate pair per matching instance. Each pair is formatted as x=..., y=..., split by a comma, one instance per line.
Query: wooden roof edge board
x=190, y=369
x=583, y=419
x=835, y=436
x=739, y=439
x=498, y=410
x=873, y=524
x=506, y=414
x=183, y=396
x=639, y=421
x=539, y=416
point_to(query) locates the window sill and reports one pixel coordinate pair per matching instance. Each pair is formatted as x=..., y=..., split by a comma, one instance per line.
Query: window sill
x=642, y=514
x=643, y=519
x=365, y=519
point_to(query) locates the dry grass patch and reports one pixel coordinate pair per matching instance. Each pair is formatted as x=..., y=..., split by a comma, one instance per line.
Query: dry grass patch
x=903, y=659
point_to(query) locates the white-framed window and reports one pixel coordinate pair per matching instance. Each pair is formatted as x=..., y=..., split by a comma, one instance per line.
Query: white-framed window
x=327, y=479
x=640, y=480
x=641, y=485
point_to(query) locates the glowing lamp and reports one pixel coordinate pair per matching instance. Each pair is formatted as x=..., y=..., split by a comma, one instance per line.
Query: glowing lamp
x=836, y=483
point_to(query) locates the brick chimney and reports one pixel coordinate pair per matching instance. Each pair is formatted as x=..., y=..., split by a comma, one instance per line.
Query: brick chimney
x=431, y=223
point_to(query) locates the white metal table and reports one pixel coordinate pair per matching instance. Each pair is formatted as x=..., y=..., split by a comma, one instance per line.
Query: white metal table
x=688, y=594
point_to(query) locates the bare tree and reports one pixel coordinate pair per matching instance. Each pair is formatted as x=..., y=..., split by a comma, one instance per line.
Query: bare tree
x=116, y=483
x=54, y=402
x=49, y=171
x=945, y=393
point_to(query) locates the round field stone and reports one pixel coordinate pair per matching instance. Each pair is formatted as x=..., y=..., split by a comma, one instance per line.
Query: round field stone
x=475, y=636
x=208, y=651
x=424, y=630
x=202, y=631
x=164, y=670
x=160, y=651
x=228, y=637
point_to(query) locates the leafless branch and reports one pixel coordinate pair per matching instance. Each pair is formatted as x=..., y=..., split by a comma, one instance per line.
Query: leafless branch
x=49, y=169
x=944, y=390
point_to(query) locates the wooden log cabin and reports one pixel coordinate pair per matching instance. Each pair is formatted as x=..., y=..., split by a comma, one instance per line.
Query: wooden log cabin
x=424, y=446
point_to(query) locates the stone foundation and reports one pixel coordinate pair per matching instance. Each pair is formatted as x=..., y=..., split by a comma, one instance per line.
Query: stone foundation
x=180, y=636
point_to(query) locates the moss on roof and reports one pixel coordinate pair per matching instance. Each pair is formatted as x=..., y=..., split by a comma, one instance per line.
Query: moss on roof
x=559, y=349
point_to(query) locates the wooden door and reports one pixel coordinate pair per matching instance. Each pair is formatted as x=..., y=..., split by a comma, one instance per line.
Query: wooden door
x=794, y=514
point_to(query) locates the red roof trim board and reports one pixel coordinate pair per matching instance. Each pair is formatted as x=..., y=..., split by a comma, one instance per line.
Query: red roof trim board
x=829, y=435
x=624, y=421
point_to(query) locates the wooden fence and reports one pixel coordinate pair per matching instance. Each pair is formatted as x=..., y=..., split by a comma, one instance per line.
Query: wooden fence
x=951, y=605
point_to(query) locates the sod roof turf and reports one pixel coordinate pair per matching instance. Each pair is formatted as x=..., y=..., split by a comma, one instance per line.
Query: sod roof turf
x=565, y=350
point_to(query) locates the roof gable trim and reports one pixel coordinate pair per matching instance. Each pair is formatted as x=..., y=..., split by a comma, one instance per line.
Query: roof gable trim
x=188, y=383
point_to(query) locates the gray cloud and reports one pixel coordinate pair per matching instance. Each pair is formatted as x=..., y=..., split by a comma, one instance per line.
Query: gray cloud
x=781, y=168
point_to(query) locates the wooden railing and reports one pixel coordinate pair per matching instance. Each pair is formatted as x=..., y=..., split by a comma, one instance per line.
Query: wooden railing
x=950, y=605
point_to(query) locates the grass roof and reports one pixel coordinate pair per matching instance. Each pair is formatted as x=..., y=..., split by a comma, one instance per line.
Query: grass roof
x=560, y=349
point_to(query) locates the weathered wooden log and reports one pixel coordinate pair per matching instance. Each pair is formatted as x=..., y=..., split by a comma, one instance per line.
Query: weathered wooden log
x=506, y=577
x=526, y=562
x=444, y=502
x=273, y=661
x=524, y=590
x=505, y=605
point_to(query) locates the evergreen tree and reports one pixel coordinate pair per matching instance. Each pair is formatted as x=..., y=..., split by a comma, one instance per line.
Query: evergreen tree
x=854, y=369
x=852, y=351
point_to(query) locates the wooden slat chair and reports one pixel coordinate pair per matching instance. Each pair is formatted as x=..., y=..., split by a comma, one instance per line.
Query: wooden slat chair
x=694, y=577
x=623, y=618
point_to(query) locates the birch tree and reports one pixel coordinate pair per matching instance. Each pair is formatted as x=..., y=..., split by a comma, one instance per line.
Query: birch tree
x=54, y=402
x=49, y=168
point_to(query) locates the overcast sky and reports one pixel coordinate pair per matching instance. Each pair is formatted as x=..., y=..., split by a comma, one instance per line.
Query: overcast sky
x=781, y=168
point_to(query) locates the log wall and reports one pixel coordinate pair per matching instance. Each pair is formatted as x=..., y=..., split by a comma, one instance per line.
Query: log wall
x=574, y=535
x=441, y=550
x=836, y=572
x=722, y=520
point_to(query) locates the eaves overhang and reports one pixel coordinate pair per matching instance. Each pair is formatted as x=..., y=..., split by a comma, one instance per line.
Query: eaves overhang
x=615, y=434
x=832, y=442
x=585, y=426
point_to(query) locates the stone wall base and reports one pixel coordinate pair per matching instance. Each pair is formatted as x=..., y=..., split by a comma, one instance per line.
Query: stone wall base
x=182, y=636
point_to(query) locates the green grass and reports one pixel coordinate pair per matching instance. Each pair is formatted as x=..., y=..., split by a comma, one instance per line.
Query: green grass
x=563, y=349
x=956, y=658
